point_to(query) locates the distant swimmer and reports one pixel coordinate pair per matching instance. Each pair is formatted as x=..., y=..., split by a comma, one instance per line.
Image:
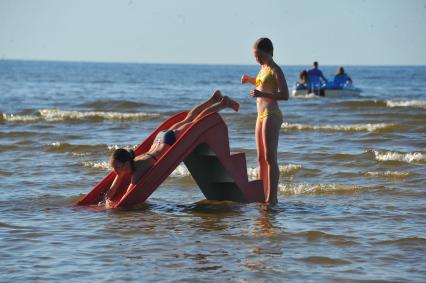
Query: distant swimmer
x=341, y=78
x=124, y=162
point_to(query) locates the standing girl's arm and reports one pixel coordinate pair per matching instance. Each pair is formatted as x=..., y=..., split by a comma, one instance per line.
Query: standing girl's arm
x=283, y=93
x=247, y=79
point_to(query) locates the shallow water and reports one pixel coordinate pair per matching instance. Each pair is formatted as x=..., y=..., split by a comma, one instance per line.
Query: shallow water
x=352, y=189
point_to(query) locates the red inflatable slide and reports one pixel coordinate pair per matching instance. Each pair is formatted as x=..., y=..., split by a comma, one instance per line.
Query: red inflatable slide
x=204, y=148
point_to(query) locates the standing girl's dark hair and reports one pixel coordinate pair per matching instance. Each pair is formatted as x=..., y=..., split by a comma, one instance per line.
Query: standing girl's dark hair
x=264, y=44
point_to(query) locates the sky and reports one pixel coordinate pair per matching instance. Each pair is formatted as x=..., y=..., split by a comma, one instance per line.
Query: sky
x=333, y=32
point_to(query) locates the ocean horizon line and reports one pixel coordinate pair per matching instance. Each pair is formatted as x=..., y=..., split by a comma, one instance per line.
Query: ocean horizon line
x=195, y=64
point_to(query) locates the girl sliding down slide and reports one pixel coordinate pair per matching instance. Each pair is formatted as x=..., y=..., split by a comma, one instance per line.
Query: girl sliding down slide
x=124, y=162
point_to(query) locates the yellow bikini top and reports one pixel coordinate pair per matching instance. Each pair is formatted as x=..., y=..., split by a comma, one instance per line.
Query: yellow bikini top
x=266, y=78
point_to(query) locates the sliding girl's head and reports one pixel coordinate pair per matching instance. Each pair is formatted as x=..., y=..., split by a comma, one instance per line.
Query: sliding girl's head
x=263, y=50
x=122, y=161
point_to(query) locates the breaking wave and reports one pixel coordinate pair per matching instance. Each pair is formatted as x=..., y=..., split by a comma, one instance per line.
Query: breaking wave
x=406, y=103
x=305, y=96
x=384, y=103
x=311, y=189
x=182, y=171
x=18, y=118
x=389, y=174
x=288, y=169
x=101, y=165
x=379, y=127
x=410, y=157
x=55, y=115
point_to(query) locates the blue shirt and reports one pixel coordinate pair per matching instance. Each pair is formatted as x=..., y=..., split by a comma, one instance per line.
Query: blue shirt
x=315, y=75
x=341, y=80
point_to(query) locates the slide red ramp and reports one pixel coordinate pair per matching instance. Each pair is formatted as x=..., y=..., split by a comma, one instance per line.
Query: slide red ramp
x=204, y=148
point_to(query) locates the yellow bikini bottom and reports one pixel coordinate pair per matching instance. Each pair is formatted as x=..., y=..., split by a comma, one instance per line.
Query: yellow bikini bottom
x=269, y=113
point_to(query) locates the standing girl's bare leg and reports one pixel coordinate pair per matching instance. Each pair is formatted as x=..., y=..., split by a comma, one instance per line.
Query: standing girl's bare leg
x=271, y=131
x=261, y=157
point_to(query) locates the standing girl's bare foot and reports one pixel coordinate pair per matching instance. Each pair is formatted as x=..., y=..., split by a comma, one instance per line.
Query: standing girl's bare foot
x=228, y=102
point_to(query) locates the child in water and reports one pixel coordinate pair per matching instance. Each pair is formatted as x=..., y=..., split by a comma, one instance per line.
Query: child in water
x=125, y=162
x=271, y=87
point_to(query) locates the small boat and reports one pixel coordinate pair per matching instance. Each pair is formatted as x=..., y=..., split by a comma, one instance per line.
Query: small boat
x=325, y=89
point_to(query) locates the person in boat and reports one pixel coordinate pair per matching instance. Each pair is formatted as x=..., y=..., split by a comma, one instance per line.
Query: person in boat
x=315, y=74
x=271, y=86
x=125, y=162
x=341, y=78
x=303, y=82
x=316, y=79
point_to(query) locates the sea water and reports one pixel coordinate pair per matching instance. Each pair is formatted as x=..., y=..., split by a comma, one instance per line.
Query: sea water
x=351, y=193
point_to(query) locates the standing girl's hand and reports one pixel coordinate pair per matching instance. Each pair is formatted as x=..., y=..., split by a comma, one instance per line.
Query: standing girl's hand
x=247, y=79
x=255, y=93
x=244, y=79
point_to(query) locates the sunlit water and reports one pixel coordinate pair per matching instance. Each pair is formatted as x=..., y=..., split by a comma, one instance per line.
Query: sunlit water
x=352, y=188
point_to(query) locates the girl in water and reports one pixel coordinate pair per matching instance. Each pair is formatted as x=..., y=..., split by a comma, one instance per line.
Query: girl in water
x=124, y=162
x=271, y=86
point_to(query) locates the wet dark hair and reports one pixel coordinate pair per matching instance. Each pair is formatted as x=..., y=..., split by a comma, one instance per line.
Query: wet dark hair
x=264, y=44
x=123, y=155
x=316, y=64
x=340, y=71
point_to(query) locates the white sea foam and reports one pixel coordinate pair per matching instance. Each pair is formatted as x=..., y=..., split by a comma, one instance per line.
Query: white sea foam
x=288, y=169
x=55, y=144
x=303, y=188
x=180, y=171
x=339, y=128
x=18, y=118
x=406, y=103
x=102, y=165
x=53, y=115
x=306, y=96
x=410, y=157
x=388, y=174
x=113, y=147
x=60, y=115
